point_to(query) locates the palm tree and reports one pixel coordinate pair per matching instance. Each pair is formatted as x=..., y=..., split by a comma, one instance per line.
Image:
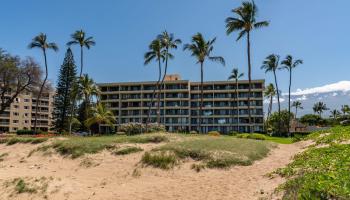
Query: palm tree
x=319, y=107
x=235, y=75
x=155, y=53
x=201, y=50
x=289, y=64
x=78, y=37
x=270, y=93
x=345, y=109
x=168, y=42
x=100, y=114
x=87, y=89
x=244, y=22
x=270, y=64
x=297, y=105
x=40, y=42
x=335, y=114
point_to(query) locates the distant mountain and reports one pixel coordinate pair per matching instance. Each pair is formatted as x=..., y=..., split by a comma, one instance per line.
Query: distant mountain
x=333, y=95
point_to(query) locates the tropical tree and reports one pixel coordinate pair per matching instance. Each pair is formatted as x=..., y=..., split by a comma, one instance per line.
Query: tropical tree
x=244, y=21
x=270, y=93
x=168, y=42
x=335, y=114
x=201, y=49
x=79, y=38
x=155, y=53
x=289, y=64
x=62, y=99
x=100, y=115
x=319, y=108
x=297, y=105
x=345, y=109
x=235, y=76
x=270, y=64
x=87, y=89
x=40, y=42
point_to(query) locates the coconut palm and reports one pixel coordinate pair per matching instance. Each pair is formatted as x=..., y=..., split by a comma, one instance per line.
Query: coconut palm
x=297, y=105
x=168, y=42
x=319, y=107
x=235, y=76
x=100, y=115
x=155, y=53
x=201, y=50
x=335, y=114
x=244, y=21
x=289, y=64
x=345, y=109
x=40, y=42
x=270, y=93
x=87, y=89
x=79, y=38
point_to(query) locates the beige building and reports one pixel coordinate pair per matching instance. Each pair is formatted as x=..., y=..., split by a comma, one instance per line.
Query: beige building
x=20, y=115
x=180, y=104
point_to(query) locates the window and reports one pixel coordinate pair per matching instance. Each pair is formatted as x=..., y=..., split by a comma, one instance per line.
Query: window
x=26, y=107
x=26, y=114
x=26, y=100
x=15, y=121
x=15, y=114
x=16, y=106
x=26, y=121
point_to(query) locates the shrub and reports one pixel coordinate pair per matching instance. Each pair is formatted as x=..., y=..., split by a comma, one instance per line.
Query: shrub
x=233, y=133
x=243, y=135
x=138, y=128
x=279, y=122
x=162, y=160
x=154, y=128
x=193, y=132
x=254, y=136
x=26, y=132
x=214, y=133
x=197, y=167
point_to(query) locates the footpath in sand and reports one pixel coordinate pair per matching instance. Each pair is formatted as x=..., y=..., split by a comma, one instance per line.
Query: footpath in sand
x=110, y=177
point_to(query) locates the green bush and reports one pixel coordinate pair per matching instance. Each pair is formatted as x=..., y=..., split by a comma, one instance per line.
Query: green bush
x=162, y=160
x=138, y=128
x=26, y=132
x=214, y=133
x=254, y=136
x=243, y=135
x=193, y=132
x=233, y=133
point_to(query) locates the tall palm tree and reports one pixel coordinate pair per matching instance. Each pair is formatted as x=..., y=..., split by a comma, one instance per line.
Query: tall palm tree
x=270, y=93
x=319, y=107
x=236, y=75
x=345, y=109
x=289, y=64
x=244, y=21
x=297, y=105
x=168, y=42
x=87, y=89
x=201, y=50
x=40, y=42
x=79, y=38
x=155, y=53
x=100, y=114
x=335, y=114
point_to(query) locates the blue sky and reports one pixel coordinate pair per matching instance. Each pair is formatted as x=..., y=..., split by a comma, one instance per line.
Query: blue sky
x=315, y=30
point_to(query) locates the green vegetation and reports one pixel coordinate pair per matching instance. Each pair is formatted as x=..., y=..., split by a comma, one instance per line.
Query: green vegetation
x=218, y=152
x=127, y=150
x=214, y=133
x=162, y=160
x=22, y=187
x=254, y=136
x=23, y=140
x=78, y=146
x=320, y=172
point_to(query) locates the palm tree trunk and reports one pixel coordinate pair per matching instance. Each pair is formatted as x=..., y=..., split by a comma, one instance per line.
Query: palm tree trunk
x=81, y=61
x=162, y=82
x=278, y=101
x=237, y=101
x=296, y=112
x=40, y=91
x=250, y=81
x=159, y=89
x=290, y=84
x=201, y=104
x=270, y=107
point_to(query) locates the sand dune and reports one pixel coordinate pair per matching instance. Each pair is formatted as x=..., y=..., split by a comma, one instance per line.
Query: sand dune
x=110, y=177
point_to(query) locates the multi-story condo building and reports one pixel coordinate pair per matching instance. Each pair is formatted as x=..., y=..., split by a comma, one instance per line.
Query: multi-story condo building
x=21, y=114
x=180, y=100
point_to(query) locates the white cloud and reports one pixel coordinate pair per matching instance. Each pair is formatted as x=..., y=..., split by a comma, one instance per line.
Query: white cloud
x=341, y=86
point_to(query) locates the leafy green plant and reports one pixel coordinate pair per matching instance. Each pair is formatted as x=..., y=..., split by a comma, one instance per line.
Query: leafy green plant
x=162, y=160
